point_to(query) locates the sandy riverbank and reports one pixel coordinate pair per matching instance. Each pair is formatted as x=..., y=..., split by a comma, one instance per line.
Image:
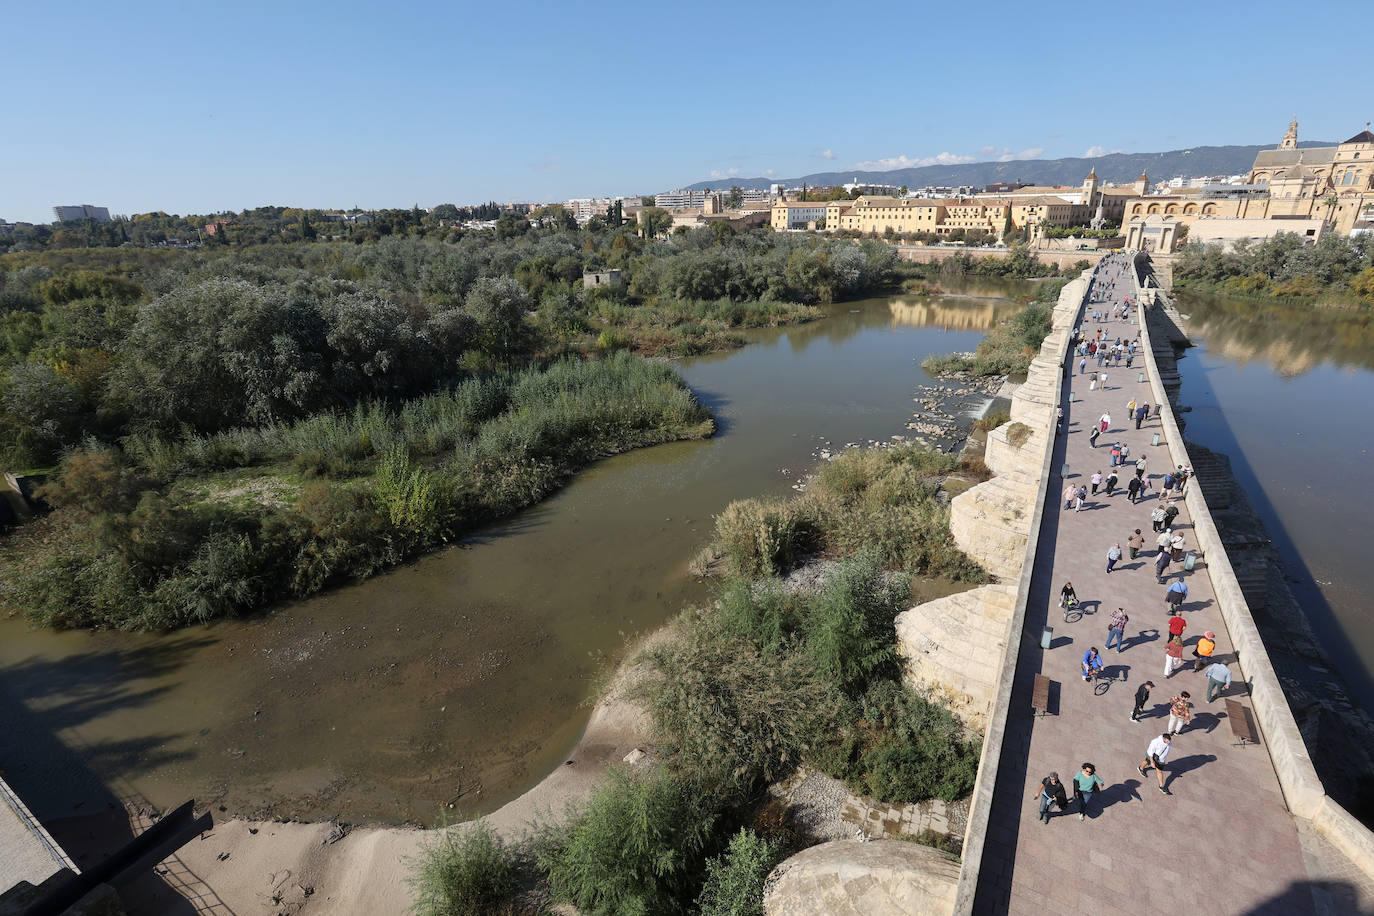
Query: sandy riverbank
x=248, y=867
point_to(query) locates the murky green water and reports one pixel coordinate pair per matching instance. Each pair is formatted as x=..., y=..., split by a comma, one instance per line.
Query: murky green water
x=471, y=667
x=1286, y=393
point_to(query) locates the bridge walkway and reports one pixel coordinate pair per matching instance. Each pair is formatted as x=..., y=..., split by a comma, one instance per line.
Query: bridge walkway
x=1222, y=841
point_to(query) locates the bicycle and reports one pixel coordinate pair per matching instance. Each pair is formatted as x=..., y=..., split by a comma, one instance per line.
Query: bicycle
x=1071, y=612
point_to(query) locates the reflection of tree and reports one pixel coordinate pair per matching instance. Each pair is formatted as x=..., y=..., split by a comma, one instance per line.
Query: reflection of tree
x=1292, y=339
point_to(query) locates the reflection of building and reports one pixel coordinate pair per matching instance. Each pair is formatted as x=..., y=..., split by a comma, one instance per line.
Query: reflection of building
x=1288, y=190
x=973, y=316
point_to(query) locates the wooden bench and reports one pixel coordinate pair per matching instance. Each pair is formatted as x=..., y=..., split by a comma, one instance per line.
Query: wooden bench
x=1040, y=696
x=1240, y=724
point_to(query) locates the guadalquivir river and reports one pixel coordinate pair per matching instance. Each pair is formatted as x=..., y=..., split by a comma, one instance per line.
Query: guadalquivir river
x=472, y=667
x=1287, y=392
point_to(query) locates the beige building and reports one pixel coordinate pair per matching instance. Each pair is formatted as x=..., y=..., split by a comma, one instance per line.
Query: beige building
x=1291, y=186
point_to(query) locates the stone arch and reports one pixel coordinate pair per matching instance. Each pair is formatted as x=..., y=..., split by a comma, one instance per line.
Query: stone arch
x=1154, y=208
x=1189, y=209
x=1137, y=210
x=1171, y=209
x=1209, y=209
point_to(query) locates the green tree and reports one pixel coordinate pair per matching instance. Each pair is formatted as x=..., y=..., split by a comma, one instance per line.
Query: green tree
x=655, y=221
x=735, y=199
x=498, y=305
x=307, y=230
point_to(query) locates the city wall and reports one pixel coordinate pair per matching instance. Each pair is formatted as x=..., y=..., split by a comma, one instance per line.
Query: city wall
x=1302, y=789
x=924, y=254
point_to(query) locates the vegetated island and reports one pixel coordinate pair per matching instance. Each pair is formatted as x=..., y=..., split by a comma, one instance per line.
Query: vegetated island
x=794, y=663
x=246, y=424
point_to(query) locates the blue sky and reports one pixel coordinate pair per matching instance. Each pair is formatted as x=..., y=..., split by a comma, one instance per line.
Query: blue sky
x=195, y=107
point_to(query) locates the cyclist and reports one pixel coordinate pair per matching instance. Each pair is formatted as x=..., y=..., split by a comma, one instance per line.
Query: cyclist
x=1092, y=664
x=1067, y=596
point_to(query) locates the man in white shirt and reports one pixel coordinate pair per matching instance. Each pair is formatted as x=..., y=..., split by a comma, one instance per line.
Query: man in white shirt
x=1155, y=755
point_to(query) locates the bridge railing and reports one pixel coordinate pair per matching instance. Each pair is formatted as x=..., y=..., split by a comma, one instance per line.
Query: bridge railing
x=1302, y=788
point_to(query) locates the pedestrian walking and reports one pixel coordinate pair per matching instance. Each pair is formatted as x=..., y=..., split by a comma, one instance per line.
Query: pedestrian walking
x=1218, y=679
x=1175, y=595
x=1141, y=413
x=1116, y=629
x=1177, y=624
x=1135, y=543
x=1050, y=793
x=1202, y=652
x=1070, y=494
x=1157, y=519
x=1161, y=564
x=1170, y=513
x=1113, y=557
x=1106, y=421
x=1067, y=593
x=1142, y=696
x=1155, y=755
x=1092, y=436
x=1092, y=378
x=1082, y=495
x=1096, y=481
x=1180, y=713
x=1058, y=419
x=1102, y=378
x=1115, y=453
x=1176, y=545
x=1140, y=464
x=1085, y=783
x=1125, y=453
x=1130, y=407
x=1133, y=488
x=1082, y=364
x=1111, y=482
x=1173, y=655
x=1101, y=355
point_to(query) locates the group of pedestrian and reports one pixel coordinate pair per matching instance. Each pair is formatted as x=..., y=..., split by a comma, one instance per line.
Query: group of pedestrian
x=1171, y=545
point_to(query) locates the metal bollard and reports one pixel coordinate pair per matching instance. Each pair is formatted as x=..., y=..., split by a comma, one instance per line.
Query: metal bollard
x=1154, y=440
x=1046, y=637
x=1141, y=378
x=1189, y=560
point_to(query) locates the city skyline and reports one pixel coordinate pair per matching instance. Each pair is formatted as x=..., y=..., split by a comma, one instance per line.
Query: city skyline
x=203, y=110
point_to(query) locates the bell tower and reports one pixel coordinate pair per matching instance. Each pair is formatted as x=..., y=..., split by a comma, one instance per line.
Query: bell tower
x=1142, y=184
x=1090, y=188
x=1290, y=139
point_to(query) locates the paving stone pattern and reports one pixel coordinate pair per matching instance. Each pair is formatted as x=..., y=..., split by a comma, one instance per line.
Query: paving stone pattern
x=1222, y=841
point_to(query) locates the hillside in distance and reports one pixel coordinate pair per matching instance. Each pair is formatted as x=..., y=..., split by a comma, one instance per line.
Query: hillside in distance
x=1113, y=167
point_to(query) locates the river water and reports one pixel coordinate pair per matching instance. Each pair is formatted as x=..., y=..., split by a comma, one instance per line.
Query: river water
x=468, y=672
x=1286, y=393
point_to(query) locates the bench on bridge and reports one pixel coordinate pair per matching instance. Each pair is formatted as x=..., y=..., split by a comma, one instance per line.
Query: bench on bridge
x=1241, y=728
x=1040, y=696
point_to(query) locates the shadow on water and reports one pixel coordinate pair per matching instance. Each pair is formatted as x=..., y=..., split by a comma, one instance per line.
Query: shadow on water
x=1315, y=605
x=44, y=705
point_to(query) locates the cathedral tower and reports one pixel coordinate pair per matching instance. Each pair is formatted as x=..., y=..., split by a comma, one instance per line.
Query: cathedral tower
x=1290, y=139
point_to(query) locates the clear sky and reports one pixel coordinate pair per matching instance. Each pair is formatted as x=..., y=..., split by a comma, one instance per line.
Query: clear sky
x=197, y=107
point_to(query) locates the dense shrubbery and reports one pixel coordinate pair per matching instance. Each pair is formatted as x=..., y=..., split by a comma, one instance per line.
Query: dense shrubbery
x=465, y=873
x=100, y=342
x=1283, y=267
x=882, y=500
x=149, y=541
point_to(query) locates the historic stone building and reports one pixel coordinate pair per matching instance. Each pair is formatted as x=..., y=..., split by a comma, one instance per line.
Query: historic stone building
x=1328, y=188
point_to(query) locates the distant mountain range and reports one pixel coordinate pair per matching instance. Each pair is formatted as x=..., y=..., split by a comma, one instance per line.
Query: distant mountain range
x=1114, y=167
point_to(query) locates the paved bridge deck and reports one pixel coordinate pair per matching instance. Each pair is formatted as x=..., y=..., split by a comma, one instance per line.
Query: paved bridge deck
x=1223, y=841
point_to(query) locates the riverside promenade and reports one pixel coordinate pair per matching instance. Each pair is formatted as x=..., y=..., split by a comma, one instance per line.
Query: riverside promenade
x=1223, y=840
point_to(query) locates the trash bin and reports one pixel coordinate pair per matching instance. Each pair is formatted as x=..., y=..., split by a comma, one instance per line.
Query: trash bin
x=1154, y=440
x=1189, y=561
x=1046, y=637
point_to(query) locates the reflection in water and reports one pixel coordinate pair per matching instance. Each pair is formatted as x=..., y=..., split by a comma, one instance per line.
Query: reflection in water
x=464, y=674
x=1292, y=339
x=1284, y=391
x=939, y=313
